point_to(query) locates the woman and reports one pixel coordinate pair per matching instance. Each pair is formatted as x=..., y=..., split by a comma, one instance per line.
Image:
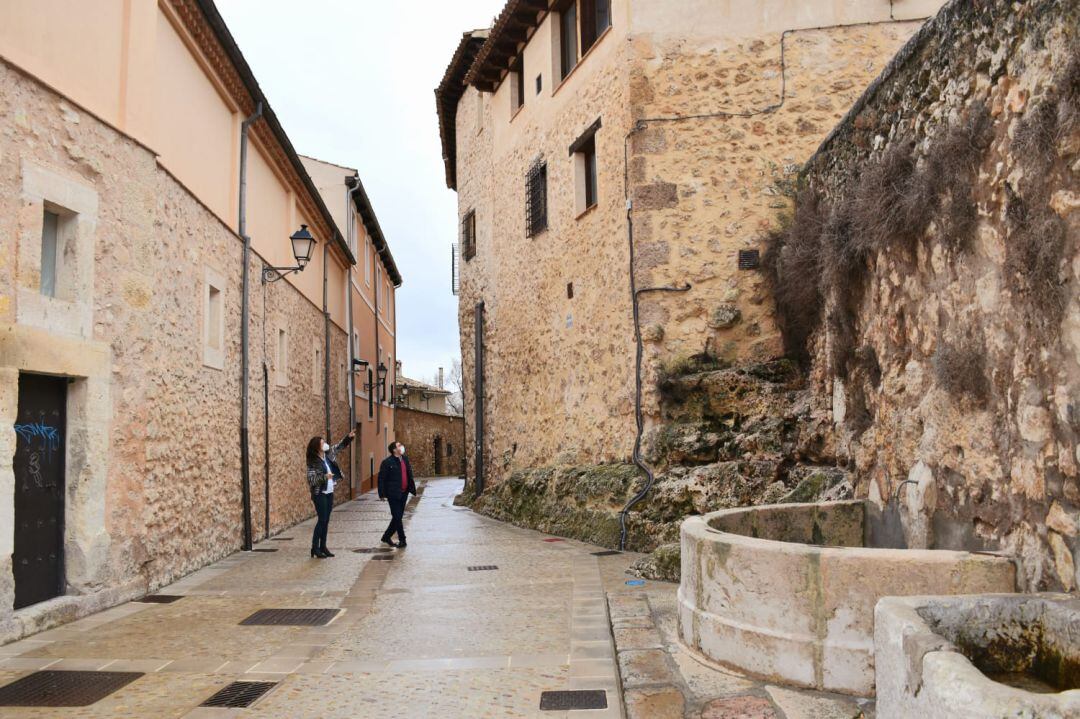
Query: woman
x=322, y=471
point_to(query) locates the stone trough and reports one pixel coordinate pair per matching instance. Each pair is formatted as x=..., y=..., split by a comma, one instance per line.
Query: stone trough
x=980, y=656
x=787, y=592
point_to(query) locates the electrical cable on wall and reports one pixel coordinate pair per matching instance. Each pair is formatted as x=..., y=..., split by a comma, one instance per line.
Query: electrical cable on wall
x=635, y=294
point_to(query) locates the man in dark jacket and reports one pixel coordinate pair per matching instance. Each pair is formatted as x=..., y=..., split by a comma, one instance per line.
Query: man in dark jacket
x=395, y=486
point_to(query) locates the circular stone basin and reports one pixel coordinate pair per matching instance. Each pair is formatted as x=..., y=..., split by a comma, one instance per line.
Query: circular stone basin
x=978, y=656
x=787, y=592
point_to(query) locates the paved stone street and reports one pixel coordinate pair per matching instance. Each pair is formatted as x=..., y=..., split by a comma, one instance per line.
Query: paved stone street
x=419, y=634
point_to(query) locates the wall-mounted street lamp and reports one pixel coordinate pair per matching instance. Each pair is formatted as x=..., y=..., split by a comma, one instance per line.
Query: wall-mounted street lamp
x=380, y=381
x=303, y=245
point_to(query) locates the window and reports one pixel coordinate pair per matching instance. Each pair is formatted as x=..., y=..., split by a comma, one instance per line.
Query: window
x=281, y=359
x=517, y=89
x=583, y=151
x=468, y=235
x=581, y=23
x=213, y=320
x=367, y=262
x=49, y=235
x=536, y=200
x=378, y=288
x=539, y=83
x=371, y=393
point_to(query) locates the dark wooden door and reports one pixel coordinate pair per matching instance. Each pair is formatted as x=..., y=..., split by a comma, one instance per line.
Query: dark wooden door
x=39, y=489
x=438, y=457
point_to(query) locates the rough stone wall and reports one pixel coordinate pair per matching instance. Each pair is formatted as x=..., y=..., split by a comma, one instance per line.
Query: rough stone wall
x=418, y=430
x=559, y=371
x=930, y=280
x=172, y=497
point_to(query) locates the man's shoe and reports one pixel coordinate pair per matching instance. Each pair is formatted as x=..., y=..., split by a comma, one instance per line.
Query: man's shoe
x=389, y=542
x=402, y=545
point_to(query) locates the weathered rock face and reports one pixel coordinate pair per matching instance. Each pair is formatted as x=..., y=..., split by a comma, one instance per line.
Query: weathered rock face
x=929, y=279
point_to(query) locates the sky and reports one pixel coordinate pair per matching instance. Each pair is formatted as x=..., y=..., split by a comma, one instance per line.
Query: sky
x=352, y=82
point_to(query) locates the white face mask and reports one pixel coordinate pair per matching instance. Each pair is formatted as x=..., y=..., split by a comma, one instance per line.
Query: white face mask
x=402, y=448
x=325, y=447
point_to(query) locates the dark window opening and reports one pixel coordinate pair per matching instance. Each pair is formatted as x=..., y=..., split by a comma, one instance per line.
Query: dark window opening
x=518, y=71
x=568, y=41
x=468, y=235
x=595, y=19
x=588, y=151
x=536, y=200
x=371, y=394
x=569, y=290
x=539, y=83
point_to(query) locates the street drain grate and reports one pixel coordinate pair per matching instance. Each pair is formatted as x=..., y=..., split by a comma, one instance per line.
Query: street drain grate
x=291, y=617
x=384, y=557
x=160, y=598
x=483, y=568
x=372, y=550
x=63, y=689
x=281, y=539
x=570, y=700
x=264, y=549
x=606, y=553
x=239, y=694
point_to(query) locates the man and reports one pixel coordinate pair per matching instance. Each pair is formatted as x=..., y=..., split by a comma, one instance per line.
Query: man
x=395, y=486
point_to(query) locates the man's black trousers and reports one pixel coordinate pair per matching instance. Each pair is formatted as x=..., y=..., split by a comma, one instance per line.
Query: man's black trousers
x=397, y=511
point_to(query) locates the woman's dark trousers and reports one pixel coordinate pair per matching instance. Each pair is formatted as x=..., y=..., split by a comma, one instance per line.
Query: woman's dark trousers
x=324, y=504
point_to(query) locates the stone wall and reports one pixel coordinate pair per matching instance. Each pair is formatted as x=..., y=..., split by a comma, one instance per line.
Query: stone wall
x=929, y=281
x=419, y=431
x=154, y=468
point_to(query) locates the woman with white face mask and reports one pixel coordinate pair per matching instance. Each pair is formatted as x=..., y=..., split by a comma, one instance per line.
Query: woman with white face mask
x=322, y=473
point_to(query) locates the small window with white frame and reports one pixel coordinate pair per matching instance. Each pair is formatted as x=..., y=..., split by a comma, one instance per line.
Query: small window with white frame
x=583, y=152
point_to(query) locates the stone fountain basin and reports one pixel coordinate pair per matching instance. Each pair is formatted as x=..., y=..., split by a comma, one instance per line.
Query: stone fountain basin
x=787, y=592
x=932, y=653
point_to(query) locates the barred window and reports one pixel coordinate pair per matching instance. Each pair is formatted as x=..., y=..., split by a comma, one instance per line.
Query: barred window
x=468, y=235
x=536, y=200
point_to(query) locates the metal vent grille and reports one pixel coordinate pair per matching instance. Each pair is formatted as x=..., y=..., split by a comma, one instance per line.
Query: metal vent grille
x=264, y=549
x=63, y=689
x=160, y=598
x=483, y=568
x=570, y=700
x=536, y=200
x=455, y=273
x=749, y=259
x=372, y=550
x=291, y=617
x=239, y=694
x=384, y=557
x=606, y=553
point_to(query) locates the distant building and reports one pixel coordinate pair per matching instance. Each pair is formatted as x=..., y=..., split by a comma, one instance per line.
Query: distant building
x=433, y=434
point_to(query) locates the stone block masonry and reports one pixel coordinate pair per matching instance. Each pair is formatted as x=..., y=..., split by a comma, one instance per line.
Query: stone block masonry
x=929, y=280
x=435, y=443
x=153, y=467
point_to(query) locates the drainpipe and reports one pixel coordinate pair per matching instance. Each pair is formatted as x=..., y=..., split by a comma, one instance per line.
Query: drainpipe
x=356, y=453
x=378, y=355
x=326, y=333
x=245, y=312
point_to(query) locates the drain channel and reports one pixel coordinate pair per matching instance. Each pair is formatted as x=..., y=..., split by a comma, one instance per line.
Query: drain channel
x=291, y=617
x=63, y=689
x=571, y=700
x=239, y=694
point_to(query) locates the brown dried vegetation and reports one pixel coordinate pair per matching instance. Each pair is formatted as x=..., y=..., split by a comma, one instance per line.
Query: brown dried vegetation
x=960, y=369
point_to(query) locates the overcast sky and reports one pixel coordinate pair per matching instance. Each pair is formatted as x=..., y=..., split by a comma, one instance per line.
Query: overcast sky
x=352, y=82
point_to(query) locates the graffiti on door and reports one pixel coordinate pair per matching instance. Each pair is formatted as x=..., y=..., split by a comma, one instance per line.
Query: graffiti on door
x=44, y=443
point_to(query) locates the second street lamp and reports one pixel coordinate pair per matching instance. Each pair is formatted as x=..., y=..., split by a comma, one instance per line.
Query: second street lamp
x=303, y=245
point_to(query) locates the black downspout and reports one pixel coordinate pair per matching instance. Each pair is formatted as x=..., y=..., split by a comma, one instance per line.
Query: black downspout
x=478, y=394
x=373, y=397
x=326, y=333
x=245, y=312
x=266, y=442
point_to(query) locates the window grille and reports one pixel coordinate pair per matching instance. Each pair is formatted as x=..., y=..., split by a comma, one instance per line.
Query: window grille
x=536, y=200
x=455, y=271
x=468, y=236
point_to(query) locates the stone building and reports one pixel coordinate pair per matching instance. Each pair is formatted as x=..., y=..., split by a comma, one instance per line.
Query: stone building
x=616, y=164
x=122, y=268
x=433, y=434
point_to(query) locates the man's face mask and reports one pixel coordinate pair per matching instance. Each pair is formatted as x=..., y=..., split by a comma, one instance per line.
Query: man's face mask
x=402, y=448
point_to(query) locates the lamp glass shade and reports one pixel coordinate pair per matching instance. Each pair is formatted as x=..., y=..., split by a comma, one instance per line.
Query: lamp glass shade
x=382, y=372
x=303, y=244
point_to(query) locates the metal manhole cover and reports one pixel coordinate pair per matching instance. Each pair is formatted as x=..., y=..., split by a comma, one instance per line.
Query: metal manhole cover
x=264, y=549
x=483, y=568
x=384, y=557
x=570, y=700
x=63, y=689
x=606, y=553
x=160, y=598
x=372, y=550
x=239, y=694
x=291, y=617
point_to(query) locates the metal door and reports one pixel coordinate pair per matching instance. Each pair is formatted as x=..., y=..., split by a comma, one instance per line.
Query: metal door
x=39, y=489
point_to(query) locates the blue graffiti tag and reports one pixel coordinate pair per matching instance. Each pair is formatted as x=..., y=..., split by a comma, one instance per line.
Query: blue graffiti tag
x=50, y=436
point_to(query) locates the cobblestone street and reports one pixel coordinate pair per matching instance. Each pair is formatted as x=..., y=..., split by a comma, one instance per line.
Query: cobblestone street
x=419, y=635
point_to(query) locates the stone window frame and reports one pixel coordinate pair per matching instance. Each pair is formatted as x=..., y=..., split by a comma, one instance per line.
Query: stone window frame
x=586, y=170
x=213, y=357
x=468, y=235
x=281, y=357
x=70, y=310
